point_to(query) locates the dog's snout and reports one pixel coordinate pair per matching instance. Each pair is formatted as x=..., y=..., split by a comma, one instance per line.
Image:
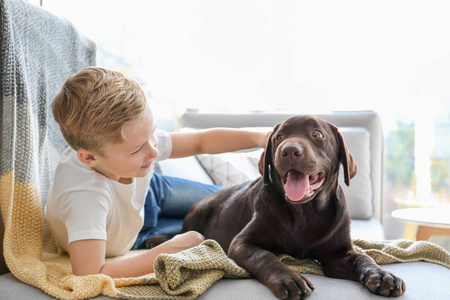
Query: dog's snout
x=292, y=151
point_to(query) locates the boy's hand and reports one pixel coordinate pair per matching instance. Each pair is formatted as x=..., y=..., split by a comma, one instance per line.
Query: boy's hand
x=185, y=241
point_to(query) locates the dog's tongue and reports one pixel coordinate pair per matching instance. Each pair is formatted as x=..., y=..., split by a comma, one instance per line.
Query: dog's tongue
x=296, y=185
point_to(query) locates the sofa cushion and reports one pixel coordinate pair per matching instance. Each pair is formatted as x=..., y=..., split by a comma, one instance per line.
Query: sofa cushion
x=423, y=281
x=371, y=230
x=233, y=168
x=228, y=169
x=360, y=192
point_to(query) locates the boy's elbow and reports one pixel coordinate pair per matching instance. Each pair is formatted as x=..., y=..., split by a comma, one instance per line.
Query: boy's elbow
x=87, y=270
x=87, y=257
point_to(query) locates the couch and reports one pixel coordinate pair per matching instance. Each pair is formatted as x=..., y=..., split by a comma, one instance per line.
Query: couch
x=362, y=131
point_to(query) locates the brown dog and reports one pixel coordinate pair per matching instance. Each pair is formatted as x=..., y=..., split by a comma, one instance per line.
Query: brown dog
x=298, y=208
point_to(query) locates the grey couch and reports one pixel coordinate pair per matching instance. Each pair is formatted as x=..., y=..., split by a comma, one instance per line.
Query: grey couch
x=363, y=133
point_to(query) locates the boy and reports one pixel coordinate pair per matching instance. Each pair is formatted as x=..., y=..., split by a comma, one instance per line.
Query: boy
x=100, y=204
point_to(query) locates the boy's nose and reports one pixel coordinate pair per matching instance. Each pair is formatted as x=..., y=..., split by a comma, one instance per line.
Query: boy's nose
x=152, y=150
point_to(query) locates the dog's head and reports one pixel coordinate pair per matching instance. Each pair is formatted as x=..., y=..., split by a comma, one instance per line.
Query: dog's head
x=302, y=159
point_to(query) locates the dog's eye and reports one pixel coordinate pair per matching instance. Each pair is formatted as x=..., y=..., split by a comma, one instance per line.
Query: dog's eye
x=317, y=134
x=279, y=137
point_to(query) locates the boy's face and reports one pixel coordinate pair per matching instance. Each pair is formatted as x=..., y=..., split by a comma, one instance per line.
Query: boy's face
x=133, y=157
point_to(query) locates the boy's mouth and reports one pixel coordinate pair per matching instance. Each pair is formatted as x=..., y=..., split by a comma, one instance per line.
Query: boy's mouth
x=147, y=165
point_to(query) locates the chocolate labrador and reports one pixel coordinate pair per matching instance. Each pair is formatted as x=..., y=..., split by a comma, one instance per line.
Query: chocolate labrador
x=298, y=208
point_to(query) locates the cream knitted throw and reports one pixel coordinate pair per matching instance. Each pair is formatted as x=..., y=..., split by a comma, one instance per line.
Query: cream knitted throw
x=39, y=51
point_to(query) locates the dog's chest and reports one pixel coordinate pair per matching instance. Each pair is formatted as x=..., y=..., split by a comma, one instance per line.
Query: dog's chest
x=299, y=232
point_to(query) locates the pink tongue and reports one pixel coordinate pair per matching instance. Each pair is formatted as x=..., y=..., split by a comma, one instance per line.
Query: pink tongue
x=296, y=185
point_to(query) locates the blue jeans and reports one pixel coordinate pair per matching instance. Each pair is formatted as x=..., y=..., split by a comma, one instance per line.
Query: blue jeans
x=167, y=203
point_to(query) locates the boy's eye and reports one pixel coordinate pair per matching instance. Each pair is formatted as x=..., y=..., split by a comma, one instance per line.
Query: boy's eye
x=135, y=152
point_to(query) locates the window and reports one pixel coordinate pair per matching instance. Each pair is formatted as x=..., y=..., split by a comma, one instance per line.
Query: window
x=302, y=56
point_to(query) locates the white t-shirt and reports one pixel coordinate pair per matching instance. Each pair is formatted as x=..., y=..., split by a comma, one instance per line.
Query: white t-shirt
x=84, y=204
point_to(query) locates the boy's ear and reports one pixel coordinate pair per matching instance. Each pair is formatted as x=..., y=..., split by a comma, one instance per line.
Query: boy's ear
x=87, y=157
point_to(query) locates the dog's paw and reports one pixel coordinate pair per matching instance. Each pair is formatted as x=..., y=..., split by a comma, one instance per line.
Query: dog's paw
x=382, y=282
x=290, y=285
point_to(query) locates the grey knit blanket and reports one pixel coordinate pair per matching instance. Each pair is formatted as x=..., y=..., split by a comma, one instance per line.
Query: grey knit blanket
x=39, y=51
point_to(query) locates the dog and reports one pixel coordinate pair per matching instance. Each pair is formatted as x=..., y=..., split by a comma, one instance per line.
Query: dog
x=297, y=208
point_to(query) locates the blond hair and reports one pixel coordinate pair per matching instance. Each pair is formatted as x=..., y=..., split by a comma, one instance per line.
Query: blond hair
x=94, y=105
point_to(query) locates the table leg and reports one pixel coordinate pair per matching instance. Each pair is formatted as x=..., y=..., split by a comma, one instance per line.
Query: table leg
x=425, y=232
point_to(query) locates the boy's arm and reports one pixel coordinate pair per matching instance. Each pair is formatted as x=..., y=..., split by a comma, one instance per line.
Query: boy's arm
x=88, y=256
x=217, y=140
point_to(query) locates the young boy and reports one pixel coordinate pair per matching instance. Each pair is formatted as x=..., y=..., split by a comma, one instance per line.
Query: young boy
x=101, y=203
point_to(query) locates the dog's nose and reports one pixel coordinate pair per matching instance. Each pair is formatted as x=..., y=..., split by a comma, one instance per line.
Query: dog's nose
x=292, y=151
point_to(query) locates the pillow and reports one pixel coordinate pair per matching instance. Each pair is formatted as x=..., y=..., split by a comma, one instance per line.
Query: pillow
x=359, y=194
x=228, y=169
x=233, y=168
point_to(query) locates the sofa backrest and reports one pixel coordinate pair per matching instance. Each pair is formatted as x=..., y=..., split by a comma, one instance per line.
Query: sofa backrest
x=362, y=131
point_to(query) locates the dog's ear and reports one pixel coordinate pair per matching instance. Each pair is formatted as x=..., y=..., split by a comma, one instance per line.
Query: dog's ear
x=265, y=161
x=346, y=158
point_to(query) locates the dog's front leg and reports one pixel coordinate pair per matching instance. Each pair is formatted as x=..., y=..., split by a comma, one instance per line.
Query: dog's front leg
x=269, y=270
x=361, y=267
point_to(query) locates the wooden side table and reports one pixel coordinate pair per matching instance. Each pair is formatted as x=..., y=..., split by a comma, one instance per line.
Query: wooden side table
x=430, y=220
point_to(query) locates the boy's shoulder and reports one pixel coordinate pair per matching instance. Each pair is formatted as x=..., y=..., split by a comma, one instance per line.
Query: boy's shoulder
x=72, y=175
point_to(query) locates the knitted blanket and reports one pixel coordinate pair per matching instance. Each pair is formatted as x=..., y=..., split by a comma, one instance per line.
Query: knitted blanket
x=38, y=52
